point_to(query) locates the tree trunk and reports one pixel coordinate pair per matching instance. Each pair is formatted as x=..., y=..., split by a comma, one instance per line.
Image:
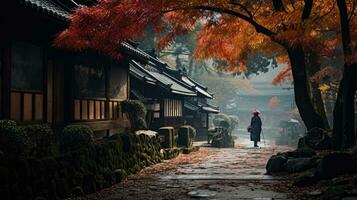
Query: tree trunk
x=344, y=124
x=329, y=103
x=319, y=103
x=343, y=135
x=313, y=66
x=302, y=98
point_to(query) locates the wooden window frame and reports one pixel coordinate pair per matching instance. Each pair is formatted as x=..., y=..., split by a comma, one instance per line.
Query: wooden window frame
x=172, y=108
x=41, y=93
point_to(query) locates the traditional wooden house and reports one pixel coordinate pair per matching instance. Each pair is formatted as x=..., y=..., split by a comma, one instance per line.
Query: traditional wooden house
x=197, y=109
x=162, y=94
x=172, y=98
x=42, y=84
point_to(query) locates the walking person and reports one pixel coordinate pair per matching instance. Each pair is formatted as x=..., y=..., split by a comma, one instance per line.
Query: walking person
x=255, y=128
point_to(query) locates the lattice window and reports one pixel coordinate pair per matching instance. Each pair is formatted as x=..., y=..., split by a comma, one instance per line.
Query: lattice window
x=172, y=108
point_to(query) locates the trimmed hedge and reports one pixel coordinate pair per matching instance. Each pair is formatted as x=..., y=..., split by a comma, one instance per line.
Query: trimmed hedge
x=38, y=138
x=74, y=137
x=26, y=140
x=11, y=139
x=136, y=111
x=230, y=122
x=85, y=170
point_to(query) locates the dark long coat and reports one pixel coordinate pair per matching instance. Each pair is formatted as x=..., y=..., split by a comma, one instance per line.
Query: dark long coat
x=255, y=128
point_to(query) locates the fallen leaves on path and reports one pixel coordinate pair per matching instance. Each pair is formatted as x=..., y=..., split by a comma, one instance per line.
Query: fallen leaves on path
x=193, y=157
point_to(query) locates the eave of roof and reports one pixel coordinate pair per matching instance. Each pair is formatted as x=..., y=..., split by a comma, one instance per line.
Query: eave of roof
x=174, y=85
x=197, y=83
x=161, y=79
x=198, y=89
x=136, y=52
x=209, y=108
x=141, y=74
x=191, y=106
x=188, y=81
x=48, y=7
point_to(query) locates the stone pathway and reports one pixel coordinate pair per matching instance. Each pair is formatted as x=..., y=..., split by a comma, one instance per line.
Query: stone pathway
x=236, y=173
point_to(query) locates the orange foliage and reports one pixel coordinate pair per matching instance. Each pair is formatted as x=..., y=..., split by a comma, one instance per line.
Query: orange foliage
x=330, y=73
x=224, y=36
x=284, y=75
x=274, y=102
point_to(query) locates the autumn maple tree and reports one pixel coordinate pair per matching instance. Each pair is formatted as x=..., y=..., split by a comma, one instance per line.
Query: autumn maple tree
x=274, y=102
x=297, y=32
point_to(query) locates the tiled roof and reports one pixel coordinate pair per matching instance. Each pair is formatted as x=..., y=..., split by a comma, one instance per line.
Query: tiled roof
x=201, y=106
x=48, y=7
x=173, y=85
x=136, y=52
x=137, y=71
x=210, y=109
x=159, y=78
x=198, y=88
x=185, y=79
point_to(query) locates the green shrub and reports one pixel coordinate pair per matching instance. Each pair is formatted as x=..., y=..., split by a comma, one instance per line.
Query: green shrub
x=234, y=120
x=74, y=137
x=39, y=139
x=137, y=114
x=140, y=124
x=222, y=120
x=7, y=125
x=230, y=122
x=11, y=139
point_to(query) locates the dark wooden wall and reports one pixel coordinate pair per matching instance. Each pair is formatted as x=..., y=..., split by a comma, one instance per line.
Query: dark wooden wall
x=55, y=102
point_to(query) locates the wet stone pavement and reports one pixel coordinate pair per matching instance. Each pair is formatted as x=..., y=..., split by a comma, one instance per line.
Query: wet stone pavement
x=211, y=173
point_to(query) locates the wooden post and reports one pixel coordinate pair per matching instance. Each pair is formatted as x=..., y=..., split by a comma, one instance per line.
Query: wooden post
x=68, y=94
x=107, y=74
x=48, y=102
x=207, y=123
x=128, y=92
x=6, y=80
x=47, y=82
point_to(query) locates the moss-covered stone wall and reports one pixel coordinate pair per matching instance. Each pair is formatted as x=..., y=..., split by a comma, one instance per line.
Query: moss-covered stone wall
x=83, y=171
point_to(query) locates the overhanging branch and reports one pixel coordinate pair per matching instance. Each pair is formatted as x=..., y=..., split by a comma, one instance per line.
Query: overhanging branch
x=307, y=9
x=258, y=27
x=233, y=2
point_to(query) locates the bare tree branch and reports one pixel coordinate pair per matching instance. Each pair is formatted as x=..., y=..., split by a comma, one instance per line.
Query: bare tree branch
x=233, y=2
x=307, y=9
x=258, y=27
x=260, y=5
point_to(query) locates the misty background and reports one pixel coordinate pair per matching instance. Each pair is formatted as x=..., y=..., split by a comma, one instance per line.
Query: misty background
x=235, y=94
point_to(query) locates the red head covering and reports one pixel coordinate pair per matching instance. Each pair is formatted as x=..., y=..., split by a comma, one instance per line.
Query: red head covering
x=255, y=111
